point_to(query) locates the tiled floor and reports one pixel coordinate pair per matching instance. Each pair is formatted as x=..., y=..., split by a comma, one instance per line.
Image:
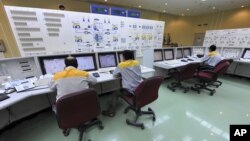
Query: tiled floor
x=180, y=117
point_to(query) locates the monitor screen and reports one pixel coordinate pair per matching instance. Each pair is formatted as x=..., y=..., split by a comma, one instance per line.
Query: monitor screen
x=179, y=53
x=158, y=55
x=107, y=60
x=246, y=53
x=186, y=52
x=51, y=65
x=169, y=54
x=86, y=62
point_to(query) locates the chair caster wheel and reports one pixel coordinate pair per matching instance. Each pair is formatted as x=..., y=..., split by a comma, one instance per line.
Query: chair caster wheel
x=66, y=132
x=154, y=119
x=101, y=127
x=212, y=93
x=142, y=127
x=127, y=121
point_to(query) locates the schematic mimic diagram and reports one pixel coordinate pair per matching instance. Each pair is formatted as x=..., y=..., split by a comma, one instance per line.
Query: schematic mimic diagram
x=228, y=38
x=44, y=31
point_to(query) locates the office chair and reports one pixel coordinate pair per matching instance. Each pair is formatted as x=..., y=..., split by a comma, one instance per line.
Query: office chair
x=185, y=73
x=218, y=83
x=207, y=77
x=145, y=93
x=78, y=110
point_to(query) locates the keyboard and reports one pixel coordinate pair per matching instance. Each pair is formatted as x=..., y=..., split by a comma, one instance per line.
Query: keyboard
x=43, y=82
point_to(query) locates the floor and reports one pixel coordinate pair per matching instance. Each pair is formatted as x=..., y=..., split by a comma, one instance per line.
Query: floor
x=180, y=117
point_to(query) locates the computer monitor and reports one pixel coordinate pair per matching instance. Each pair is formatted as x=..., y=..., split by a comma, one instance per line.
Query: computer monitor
x=52, y=64
x=168, y=54
x=199, y=50
x=158, y=56
x=246, y=53
x=107, y=59
x=86, y=62
x=187, y=52
x=179, y=53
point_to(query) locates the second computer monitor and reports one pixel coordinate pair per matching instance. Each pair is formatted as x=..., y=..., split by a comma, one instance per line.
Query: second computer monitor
x=246, y=53
x=158, y=55
x=187, y=52
x=107, y=59
x=168, y=54
x=86, y=62
x=179, y=53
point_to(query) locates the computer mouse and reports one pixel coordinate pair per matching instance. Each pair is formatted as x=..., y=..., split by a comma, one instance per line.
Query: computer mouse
x=96, y=74
x=9, y=91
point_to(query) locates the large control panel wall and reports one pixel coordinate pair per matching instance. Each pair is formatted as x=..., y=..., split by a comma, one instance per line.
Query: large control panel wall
x=46, y=32
x=228, y=38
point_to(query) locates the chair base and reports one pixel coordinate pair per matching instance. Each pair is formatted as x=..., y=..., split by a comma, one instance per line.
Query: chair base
x=199, y=87
x=174, y=85
x=217, y=84
x=138, y=114
x=83, y=128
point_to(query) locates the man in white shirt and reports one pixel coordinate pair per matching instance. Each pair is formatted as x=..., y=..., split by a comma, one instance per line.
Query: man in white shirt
x=130, y=72
x=71, y=79
x=210, y=60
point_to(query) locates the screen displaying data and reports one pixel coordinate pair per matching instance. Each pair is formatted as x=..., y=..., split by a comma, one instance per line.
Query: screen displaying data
x=232, y=53
x=186, y=52
x=107, y=60
x=86, y=63
x=158, y=55
x=179, y=54
x=52, y=66
x=246, y=54
x=169, y=54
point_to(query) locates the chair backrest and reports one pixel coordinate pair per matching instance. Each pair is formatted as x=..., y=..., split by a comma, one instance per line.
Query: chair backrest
x=221, y=67
x=147, y=91
x=77, y=108
x=187, y=72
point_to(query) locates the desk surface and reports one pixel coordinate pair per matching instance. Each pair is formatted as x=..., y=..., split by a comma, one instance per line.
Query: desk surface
x=177, y=63
x=16, y=97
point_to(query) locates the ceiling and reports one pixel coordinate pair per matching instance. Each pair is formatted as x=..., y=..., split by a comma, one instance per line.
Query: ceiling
x=179, y=7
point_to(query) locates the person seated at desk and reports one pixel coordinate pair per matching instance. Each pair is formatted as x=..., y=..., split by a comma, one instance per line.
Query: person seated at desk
x=71, y=79
x=211, y=60
x=131, y=77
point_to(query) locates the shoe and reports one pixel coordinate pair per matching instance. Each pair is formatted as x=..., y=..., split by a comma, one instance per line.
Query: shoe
x=108, y=113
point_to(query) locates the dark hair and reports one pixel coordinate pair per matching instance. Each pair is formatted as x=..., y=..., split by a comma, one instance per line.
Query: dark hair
x=71, y=61
x=212, y=48
x=128, y=55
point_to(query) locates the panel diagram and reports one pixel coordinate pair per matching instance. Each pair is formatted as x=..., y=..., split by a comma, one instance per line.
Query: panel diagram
x=228, y=38
x=44, y=31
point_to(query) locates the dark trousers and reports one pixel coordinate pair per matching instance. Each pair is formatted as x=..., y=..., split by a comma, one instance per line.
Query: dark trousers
x=205, y=67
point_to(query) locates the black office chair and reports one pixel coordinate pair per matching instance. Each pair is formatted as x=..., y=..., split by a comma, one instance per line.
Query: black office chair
x=78, y=110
